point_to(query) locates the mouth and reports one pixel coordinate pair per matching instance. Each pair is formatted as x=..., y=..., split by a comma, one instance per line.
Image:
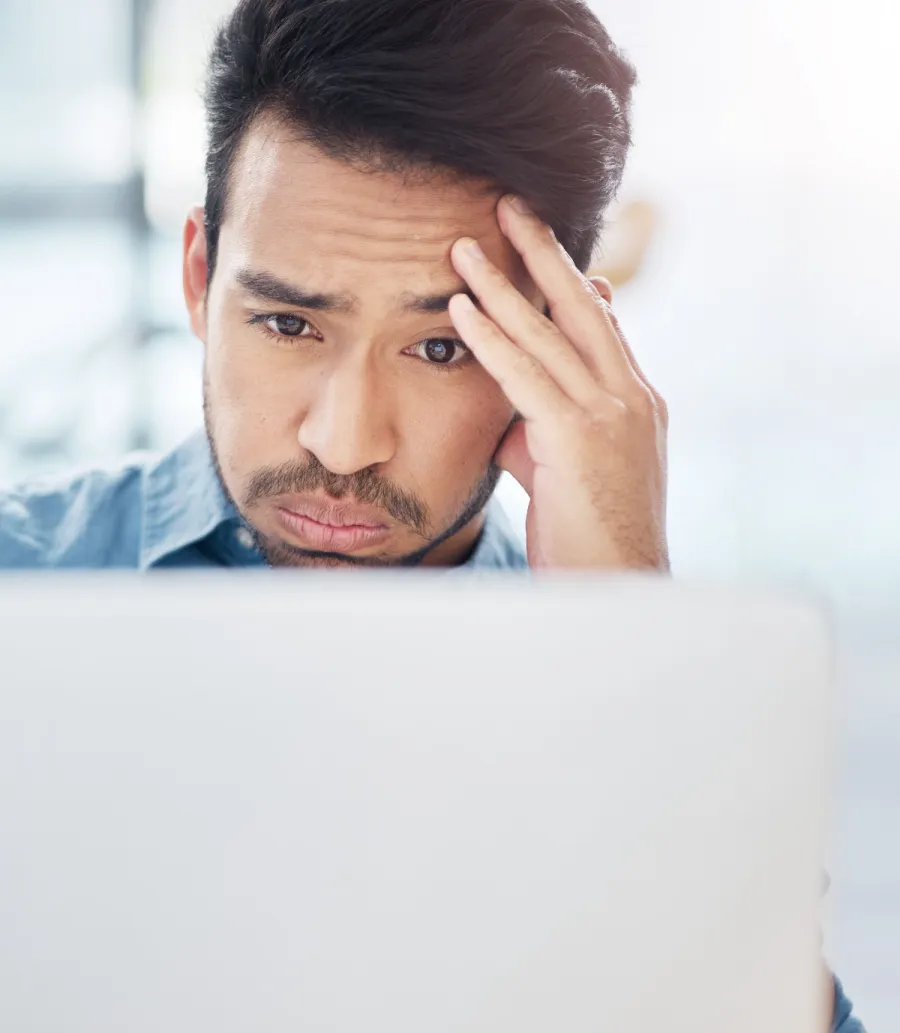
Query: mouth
x=329, y=526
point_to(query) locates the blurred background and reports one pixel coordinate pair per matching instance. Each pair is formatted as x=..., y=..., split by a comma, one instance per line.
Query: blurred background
x=755, y=252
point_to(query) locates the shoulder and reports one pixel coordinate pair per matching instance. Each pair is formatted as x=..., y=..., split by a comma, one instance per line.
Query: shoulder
x=844, y=1019
x=84, y=519
x=147, y=511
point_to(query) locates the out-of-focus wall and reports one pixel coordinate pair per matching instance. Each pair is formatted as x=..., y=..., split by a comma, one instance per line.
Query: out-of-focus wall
x=766, y=135
x=766, y=312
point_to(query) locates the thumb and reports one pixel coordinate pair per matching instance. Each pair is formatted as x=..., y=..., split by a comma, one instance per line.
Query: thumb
x=513, y=456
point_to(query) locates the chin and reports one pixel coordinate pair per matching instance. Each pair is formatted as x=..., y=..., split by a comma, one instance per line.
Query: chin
x=315, y=563
x=280, y=554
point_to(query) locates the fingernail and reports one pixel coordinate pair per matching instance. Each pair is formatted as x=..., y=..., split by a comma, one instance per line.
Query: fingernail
x=520, y=204
x=472, y=249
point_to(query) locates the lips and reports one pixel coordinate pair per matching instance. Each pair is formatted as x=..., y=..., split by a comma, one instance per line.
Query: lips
x=331, y=526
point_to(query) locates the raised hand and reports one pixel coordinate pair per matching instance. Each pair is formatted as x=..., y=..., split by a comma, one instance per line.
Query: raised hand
x=591, y=447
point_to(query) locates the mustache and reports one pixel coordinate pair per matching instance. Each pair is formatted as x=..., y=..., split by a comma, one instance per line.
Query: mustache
x=364, y=486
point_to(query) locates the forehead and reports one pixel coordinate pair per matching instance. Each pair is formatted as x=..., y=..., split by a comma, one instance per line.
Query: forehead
x=294, y=211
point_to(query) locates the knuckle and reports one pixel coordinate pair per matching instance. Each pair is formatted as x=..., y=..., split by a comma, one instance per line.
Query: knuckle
x=643, y=404
x=524, y=364
x=534, y=319
x=607, y=414
x=555, y=340
x=662, y=409
x=620, y=416
x=598, y=406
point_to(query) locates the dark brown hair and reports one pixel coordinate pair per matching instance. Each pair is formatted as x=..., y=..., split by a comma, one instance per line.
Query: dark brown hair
x=529, y=94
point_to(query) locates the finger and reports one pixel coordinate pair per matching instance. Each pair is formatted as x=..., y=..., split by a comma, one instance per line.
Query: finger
x=576, y=307
x=604, y=289
x=523, y=324
x=658, y=401
x=528, y=386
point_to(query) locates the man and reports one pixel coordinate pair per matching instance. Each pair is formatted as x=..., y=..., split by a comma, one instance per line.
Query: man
x=359, y=406
x=388, y=278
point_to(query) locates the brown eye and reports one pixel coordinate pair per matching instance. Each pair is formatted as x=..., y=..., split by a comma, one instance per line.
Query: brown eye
x=442, y=351
x=287, y=326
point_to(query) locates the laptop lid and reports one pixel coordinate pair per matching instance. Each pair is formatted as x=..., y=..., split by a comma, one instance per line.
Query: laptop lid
x=409, y=804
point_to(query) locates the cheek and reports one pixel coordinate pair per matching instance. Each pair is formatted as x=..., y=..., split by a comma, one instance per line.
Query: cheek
x=452, y=431
x=252, y=399
x=235, y=366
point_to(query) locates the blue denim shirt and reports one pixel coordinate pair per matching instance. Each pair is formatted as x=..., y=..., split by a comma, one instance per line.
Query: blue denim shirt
x=154, y=512
x=170, y=511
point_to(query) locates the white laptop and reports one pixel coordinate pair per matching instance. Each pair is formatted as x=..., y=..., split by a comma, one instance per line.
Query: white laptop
x=285, y=803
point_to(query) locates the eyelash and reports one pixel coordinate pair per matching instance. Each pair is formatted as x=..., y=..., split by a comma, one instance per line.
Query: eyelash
x=261, y=319
x=446, y=367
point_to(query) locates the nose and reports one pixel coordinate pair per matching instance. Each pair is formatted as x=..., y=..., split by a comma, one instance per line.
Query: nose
x=349, y=424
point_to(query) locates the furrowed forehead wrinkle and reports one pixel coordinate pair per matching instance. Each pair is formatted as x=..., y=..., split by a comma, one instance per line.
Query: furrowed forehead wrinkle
x=271, y=288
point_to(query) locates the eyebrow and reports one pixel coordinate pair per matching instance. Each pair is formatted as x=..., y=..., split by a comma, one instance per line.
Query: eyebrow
x=435, y=303
x=270, y=288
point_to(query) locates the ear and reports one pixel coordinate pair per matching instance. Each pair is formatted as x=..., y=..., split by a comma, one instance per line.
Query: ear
x=604, y=288
x=195, y=270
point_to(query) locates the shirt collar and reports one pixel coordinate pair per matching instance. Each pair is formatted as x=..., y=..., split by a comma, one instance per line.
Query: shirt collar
x=184, y=503
x=499, y=547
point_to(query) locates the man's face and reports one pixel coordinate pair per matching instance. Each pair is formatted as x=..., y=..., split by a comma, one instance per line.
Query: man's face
x=349, y=423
